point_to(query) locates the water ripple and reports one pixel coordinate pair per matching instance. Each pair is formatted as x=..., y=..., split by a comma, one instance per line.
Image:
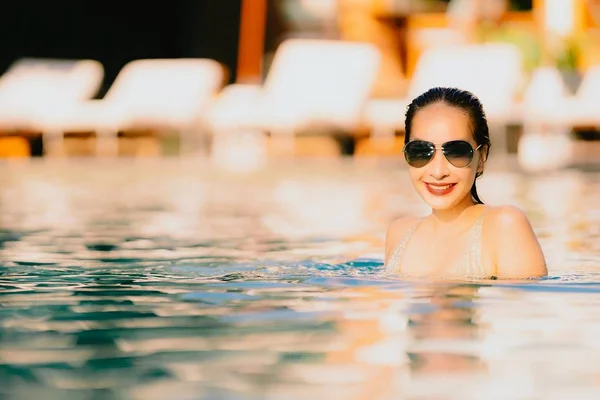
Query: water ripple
x=198, y=285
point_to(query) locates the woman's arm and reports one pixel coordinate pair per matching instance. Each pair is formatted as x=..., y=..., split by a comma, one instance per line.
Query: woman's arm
x=517, y=254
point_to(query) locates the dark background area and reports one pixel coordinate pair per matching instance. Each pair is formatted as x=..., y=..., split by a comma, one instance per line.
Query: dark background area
x=516, y=5
x=116, y=32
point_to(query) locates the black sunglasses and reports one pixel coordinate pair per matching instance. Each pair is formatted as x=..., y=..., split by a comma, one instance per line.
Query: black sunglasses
x=419, y=153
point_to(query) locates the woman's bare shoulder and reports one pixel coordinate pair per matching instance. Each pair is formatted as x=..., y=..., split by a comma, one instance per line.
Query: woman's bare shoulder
x=517, y=252
x=507, y=217
x=396, y=230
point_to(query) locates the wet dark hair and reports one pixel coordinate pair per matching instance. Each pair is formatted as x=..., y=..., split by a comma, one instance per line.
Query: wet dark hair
x=463, y=100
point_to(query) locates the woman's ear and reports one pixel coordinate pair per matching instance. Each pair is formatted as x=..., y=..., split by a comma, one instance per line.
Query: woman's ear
x=485, y=150
x=483, y=154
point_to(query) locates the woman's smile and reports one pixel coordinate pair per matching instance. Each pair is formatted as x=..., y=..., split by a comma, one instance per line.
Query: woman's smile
x=439, y=189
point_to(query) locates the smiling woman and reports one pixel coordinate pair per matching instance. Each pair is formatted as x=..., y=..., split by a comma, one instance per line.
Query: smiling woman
x=447, y=143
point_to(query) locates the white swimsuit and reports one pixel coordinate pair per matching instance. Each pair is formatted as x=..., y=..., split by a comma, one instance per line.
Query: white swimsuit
x=469, y=268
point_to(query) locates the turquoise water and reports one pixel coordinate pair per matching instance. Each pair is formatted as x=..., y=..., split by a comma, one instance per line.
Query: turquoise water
x=172, y=279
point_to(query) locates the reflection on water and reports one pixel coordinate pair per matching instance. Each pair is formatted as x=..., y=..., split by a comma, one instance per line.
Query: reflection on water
x=169, y=279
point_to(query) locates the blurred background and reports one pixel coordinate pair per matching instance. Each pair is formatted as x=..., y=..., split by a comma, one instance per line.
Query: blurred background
x=194, y=197
x=242, y=81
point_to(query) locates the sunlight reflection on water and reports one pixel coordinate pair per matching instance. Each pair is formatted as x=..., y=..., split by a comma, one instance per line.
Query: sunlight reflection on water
x=166, y=278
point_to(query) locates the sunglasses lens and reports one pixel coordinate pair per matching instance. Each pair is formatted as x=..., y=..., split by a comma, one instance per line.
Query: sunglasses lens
x=459, y=153
x=418, y=153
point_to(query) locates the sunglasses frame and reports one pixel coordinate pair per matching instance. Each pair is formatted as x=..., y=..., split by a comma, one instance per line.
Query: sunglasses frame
x=441, y=147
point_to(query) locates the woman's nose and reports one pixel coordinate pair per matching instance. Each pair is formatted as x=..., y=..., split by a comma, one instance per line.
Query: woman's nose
x=439, y=166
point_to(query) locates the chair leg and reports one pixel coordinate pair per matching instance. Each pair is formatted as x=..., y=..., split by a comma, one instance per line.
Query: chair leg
x=107, y=143
x=53, y=142
x=191, y=143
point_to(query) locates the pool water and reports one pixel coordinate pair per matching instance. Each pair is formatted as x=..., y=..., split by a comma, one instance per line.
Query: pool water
x=173, y=279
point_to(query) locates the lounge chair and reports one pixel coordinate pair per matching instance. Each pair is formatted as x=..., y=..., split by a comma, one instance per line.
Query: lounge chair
x=313, y=85
x=166, y=94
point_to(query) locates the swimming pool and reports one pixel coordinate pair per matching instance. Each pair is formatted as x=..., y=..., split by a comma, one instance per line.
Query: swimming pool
x=171, y=279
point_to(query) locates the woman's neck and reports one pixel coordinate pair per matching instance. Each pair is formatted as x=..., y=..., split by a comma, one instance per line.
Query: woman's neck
x=443, y=218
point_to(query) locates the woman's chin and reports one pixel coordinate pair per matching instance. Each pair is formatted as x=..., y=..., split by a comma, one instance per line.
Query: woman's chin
x=440, y=203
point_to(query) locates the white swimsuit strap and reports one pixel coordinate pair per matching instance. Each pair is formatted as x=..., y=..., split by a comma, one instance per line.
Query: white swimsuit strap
x=393, y=265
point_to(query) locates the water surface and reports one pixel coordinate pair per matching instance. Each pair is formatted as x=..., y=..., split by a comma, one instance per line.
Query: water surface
x=173, y=279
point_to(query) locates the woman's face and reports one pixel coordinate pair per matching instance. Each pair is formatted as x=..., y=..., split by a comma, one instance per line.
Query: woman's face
x=442, y=185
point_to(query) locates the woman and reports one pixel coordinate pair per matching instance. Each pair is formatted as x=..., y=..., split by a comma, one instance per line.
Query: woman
x=446, y=146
